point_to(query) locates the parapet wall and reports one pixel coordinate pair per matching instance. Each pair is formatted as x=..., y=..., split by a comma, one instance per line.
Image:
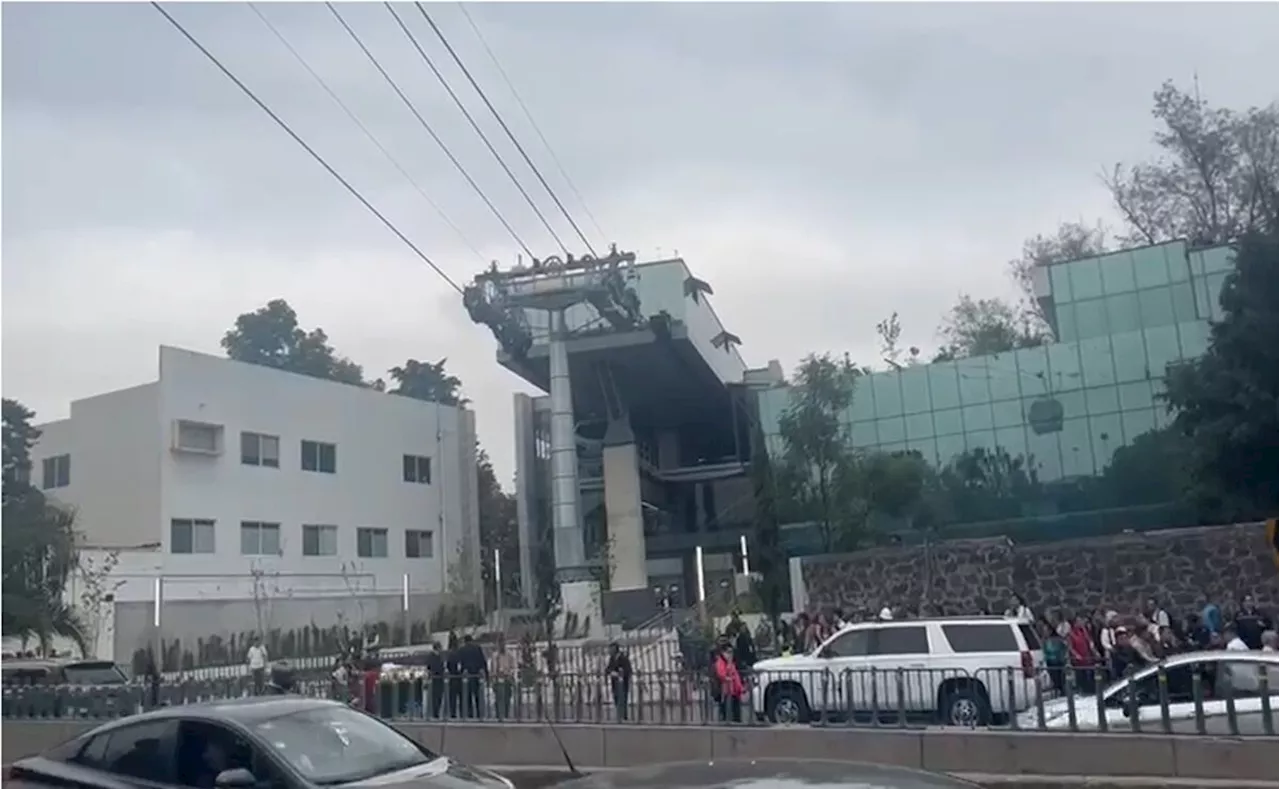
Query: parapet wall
x=1203, y=759
x=1175, y=566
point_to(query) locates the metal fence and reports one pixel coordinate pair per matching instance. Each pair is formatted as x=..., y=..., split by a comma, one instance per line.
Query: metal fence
x=647, y=649
x=1004, y=698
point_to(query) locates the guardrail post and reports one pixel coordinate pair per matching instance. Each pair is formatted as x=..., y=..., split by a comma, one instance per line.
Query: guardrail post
x=899, y=685
x=1269, y=725
x=1012, y=694
x=1162, y=680
x=1100, y=703
x=1233, y=720
x=1197, y=699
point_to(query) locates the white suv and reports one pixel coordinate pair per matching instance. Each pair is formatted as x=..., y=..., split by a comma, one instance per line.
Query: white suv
x=964, y=669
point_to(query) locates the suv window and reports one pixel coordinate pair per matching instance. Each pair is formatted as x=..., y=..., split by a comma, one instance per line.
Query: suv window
x=905, y=640
x=1030, y=636
x=94, y=673
x=980, y=638
x=143, y=750
x=855, y=643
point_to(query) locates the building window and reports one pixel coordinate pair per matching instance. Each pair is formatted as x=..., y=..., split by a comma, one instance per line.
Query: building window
x=57, y=472
x=258, y=449
x=319, y=456
x=191, y=535
x=371, y=543
x=319, y=540
x=419, y=544
x=259, y=539
x=417, y=469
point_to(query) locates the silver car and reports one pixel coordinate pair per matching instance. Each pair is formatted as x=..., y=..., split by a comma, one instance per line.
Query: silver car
x=1250, y=679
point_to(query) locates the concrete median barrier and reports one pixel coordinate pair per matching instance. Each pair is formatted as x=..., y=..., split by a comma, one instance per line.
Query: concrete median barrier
x=945, y=751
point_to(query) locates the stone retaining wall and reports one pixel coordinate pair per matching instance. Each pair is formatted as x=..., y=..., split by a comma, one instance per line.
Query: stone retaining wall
x=943, y=751
x=1176, y=566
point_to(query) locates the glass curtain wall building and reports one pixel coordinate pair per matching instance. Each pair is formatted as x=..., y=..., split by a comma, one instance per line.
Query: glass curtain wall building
x=1065, y=407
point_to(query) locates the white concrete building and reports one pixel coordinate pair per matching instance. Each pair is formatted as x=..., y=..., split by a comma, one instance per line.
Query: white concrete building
x=263, y=500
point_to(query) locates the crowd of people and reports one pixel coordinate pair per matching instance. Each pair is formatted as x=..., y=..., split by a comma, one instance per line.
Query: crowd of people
x=1091, y=645
x=1109, y=644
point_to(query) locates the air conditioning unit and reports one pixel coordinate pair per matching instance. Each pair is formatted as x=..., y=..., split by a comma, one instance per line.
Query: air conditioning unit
x=196, y=438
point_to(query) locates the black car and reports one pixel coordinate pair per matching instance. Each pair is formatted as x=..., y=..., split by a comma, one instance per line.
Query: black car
x=768, y=774
x=275, y=742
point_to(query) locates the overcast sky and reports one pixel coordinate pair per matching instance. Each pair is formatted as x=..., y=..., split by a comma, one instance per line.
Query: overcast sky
x=820, y=165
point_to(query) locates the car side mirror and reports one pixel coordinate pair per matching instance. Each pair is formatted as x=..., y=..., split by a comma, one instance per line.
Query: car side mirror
x=826, y=652
x=237, y=778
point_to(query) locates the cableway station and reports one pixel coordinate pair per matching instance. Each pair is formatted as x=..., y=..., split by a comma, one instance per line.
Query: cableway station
x=639, y=450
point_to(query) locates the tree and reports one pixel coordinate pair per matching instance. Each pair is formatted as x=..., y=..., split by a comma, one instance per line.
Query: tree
x=1071, y=241
x=39, y=546
x=427, y=381
x=769, y=558
x=987, y=484
x=19, y=436
x=270, y=336
x=890, y=332
x=96, y=596
x=499, y=531
x=894, y=485
x=976, y=327
x=1152, y=469
x=818, y=474
x=1215, y=180
x=1225, y=401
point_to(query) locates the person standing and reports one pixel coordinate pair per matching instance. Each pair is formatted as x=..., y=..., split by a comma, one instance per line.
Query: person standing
x=730, y=682
x=436, y=679
x=474, y=667
x=619, y=673
x=256, y=657
x=1082, y=655
x=503, y=673
x=1250, y=623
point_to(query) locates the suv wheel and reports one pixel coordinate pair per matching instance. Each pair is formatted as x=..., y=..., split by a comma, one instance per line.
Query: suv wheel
x=787, y=705
x=966, y=706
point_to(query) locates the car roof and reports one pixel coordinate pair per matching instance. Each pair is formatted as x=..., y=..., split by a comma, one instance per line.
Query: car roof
x=245, y=711
x=20, y=663
x=1203, y=656
x=1210, y=656
x=935, y=620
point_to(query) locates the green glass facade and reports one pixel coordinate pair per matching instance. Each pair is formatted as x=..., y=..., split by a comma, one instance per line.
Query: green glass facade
x=1121, y=319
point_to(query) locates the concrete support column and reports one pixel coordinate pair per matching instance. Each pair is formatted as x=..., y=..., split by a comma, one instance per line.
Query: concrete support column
x=526, y=470
x=622, y=506
x=566, y=523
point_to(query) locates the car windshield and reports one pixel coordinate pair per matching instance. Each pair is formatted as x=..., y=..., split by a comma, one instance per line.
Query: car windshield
x=104, y=673
x=337, y=745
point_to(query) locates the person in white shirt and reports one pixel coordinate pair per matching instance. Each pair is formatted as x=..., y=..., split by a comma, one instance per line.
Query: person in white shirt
x=1234, y=642
x=1269, y=641
x=1018, y=609
x=1158, y=616
x=1108, y=635
x=256, y=657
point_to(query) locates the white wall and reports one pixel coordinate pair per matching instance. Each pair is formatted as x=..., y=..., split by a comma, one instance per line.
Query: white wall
x=372, y=432
x=127, y=484
x=114, y=443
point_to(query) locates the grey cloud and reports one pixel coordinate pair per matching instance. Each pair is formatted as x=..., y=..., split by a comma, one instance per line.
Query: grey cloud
x=820, y=164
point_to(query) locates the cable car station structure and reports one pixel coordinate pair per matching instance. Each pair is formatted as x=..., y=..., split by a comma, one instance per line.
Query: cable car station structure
x=643, y=424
